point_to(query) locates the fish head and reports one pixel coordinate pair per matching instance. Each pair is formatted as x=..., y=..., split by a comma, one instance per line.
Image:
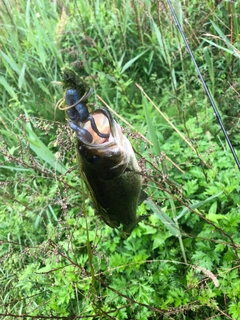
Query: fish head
x=105, y=157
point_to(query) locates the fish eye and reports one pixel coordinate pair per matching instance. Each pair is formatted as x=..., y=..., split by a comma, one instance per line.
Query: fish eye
x=93, y=159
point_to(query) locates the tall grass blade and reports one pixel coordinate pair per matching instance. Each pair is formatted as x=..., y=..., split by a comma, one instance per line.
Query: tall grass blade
x=151, y=129
x=8, y=88
x=21, y=79
x=209, y=61
x=42, y=151
x=130, y=62
x=166, y=118
x=233, y=51
x=197, y=205
x=166, y=220
x=16, y=169
x=235, y=15
x=161, y=50
x=10, y=62
x=27, y=13
x=221, y=34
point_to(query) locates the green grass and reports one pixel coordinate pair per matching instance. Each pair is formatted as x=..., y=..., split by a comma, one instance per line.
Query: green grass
x=58, y=260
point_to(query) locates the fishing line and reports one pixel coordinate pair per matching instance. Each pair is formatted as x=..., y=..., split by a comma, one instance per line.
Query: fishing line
x=204, y=84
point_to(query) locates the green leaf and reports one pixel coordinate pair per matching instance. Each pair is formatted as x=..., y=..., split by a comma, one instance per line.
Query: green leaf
x=159, y=239
x=16, y=168
x=215, y=217
x=151, y=128
x=160, y=41
x=209, y=61
x=130, y=62
x=221, y=34
x=27, y=13
x=166, y=220
x=10, y=62
x=45, y=269
x=43, y=151
x=191, y=186
x=21, y=79
x=233, y=51
x=8, y=88
x=197, y=205
x=213, y=208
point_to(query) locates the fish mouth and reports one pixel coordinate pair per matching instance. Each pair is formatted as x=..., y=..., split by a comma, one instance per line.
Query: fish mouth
x=107, y=156
x=103, y=125
x=107, y=126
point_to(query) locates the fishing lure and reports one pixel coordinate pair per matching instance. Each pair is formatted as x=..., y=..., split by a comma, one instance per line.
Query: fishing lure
x=76, y=101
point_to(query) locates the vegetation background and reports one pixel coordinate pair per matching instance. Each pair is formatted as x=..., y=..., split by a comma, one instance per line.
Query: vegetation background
x=58, y=260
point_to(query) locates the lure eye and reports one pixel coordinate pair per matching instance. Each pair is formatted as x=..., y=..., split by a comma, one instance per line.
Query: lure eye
x=93, y=159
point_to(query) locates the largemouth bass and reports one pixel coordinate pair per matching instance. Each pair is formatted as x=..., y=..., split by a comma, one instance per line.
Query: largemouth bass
x=107, y=162
x=112, y=173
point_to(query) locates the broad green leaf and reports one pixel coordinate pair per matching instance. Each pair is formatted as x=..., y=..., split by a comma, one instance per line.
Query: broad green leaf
x=215, y=217
x=45, y=269
x=213, y=208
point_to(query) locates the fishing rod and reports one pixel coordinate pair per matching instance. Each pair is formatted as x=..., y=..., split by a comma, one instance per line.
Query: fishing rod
x=204, y=84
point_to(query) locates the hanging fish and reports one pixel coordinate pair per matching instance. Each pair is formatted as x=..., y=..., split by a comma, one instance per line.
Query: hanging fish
x=107, y=162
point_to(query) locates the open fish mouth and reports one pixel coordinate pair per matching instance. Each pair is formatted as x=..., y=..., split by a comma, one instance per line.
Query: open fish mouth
x=103, y=126
x=107, y=126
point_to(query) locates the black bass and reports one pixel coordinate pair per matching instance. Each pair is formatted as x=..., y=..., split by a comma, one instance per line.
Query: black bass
x=107, y=162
